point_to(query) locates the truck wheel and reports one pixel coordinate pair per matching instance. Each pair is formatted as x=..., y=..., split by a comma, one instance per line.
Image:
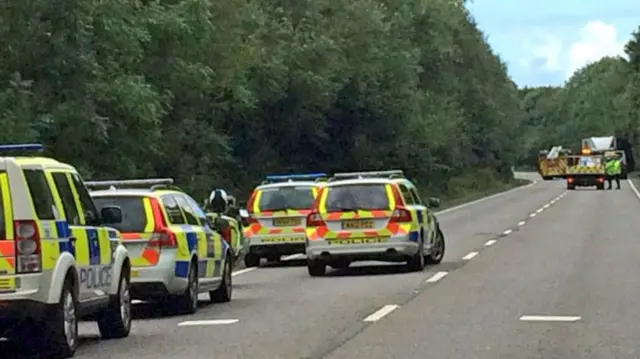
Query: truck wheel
x=571, y=187
x=115, y=322
x=61, y=327
x=600, y=186
x=251, y=260
x=316, y=267
x=223, y=293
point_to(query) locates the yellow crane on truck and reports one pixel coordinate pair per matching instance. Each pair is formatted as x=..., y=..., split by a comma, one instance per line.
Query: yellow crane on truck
x=553, y=163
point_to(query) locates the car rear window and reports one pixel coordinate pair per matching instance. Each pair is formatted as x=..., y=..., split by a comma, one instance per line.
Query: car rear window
x=357, y=196
x=280, y=198
x=134, y=219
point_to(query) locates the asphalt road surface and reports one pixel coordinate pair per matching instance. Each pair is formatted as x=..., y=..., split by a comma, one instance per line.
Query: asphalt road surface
x=536, y=272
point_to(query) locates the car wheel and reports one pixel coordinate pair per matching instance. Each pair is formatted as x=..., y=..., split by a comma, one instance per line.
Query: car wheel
x=224, y=291
x=188, y=302
x=437, y=252
x=316, y=267
x=115, y=322
x=416, y=262
x=60, y=330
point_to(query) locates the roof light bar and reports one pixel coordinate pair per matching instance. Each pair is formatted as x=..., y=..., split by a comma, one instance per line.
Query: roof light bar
x=294, y=177
x=370, y=174
x=36, y=147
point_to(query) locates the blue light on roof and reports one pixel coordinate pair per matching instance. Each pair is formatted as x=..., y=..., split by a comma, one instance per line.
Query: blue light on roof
x=305, y=176
x=22, y=147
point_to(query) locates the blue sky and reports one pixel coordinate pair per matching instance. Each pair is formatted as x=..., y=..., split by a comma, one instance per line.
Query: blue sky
x=544, y=41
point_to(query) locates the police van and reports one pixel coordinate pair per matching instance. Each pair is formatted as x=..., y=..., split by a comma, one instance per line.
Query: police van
x=58, y=262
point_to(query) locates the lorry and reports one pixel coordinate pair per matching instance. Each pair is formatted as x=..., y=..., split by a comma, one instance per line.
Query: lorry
x=553, y=163
x=607, y=146
x=585, y=170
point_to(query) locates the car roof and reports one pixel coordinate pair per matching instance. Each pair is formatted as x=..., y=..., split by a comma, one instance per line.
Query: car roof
x=38, y=162
x=136, y=192
x=290, y=184
x=356, y=181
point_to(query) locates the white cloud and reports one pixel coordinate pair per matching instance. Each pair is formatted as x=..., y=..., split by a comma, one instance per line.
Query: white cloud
x=597, y=40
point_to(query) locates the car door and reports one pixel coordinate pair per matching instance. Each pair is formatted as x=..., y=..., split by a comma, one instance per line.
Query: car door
x=91, y=248
x=217, y=247
x=417, y=209
x=429, y=220
x=195, y=231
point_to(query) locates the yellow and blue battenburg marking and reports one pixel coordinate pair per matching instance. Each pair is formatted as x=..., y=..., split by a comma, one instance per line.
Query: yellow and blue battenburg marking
x=209, y=264
x=64, y=233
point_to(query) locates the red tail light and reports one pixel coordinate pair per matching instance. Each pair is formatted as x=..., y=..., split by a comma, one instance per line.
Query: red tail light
x=28, y=247
x=314, y=219
x=401, y=215
x=601, y=179
x=162, y=236
x=569, y=179
x=253, y=220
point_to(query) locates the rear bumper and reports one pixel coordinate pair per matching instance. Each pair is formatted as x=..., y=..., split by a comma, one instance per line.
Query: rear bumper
x=586, y=180
x=159, y=280
x=286, y=245
x=394, y=250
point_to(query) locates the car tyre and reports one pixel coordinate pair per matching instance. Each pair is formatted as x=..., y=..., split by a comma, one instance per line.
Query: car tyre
x=316, y=267
x=416, y=262
x=60, y=330
x=251, y=260
x=437, y=252
x=115, y=322
x=188, y=302
x=225, y=290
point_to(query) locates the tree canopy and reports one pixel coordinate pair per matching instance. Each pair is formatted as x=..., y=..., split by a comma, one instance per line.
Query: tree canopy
x=601, y=99
x=218, y=93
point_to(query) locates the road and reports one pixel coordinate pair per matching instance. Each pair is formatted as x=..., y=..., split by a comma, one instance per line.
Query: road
x=534, y=251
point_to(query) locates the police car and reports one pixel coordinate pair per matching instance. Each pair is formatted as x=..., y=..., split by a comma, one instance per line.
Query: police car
x=175, y=251
x=277, y=210
x=378, y=216
x=58, y=260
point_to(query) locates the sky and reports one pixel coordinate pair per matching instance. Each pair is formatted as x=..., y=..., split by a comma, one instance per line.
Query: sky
x=544, y=41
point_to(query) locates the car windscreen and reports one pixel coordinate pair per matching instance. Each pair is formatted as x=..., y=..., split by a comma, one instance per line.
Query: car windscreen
x=357, y=196
x=134, y=219
x=281, y=198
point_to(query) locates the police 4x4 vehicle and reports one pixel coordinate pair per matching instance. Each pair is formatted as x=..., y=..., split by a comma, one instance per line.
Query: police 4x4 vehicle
x=372, y=216
x=277, y=210
x=58, y=261
x=175, y=252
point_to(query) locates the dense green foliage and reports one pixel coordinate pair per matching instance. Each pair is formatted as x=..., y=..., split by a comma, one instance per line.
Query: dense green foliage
x=221, y=92
x=601, y=99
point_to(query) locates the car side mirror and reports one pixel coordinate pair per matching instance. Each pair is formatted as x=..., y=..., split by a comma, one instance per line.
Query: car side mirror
x=111, y=214
x=433, y=202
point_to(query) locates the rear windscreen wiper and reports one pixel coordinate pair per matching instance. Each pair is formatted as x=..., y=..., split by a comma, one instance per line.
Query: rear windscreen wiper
x=347, y=209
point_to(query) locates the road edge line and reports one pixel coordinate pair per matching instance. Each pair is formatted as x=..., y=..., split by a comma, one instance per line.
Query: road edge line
x=633, y=187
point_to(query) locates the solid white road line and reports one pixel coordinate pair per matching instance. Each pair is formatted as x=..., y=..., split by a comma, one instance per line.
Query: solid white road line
x=436, y=277
x=549, y=318
x=522, y=223
x=470, y=256
x=243, y=271
x=293, y=257
x=192, y=323
x=485, y=198
x=507, y=232
x=634, y=188
x=490, y=242
x=380, y=313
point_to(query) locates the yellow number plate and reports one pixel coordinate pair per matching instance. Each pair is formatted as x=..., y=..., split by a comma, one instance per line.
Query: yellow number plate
x=135, y=273
x=372, y=240
x=283, y=240
x=357, y=224
x=7, y=285
x=287, y=222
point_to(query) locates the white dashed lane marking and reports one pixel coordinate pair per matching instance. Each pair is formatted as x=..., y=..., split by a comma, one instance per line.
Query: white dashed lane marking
x=193, y=323
x=491, y=242
x=436, y=277
x=507, y=232
x=549, y=318
x=521, y=223
x=380, y=313
x=470, y=256
x=532, y=215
